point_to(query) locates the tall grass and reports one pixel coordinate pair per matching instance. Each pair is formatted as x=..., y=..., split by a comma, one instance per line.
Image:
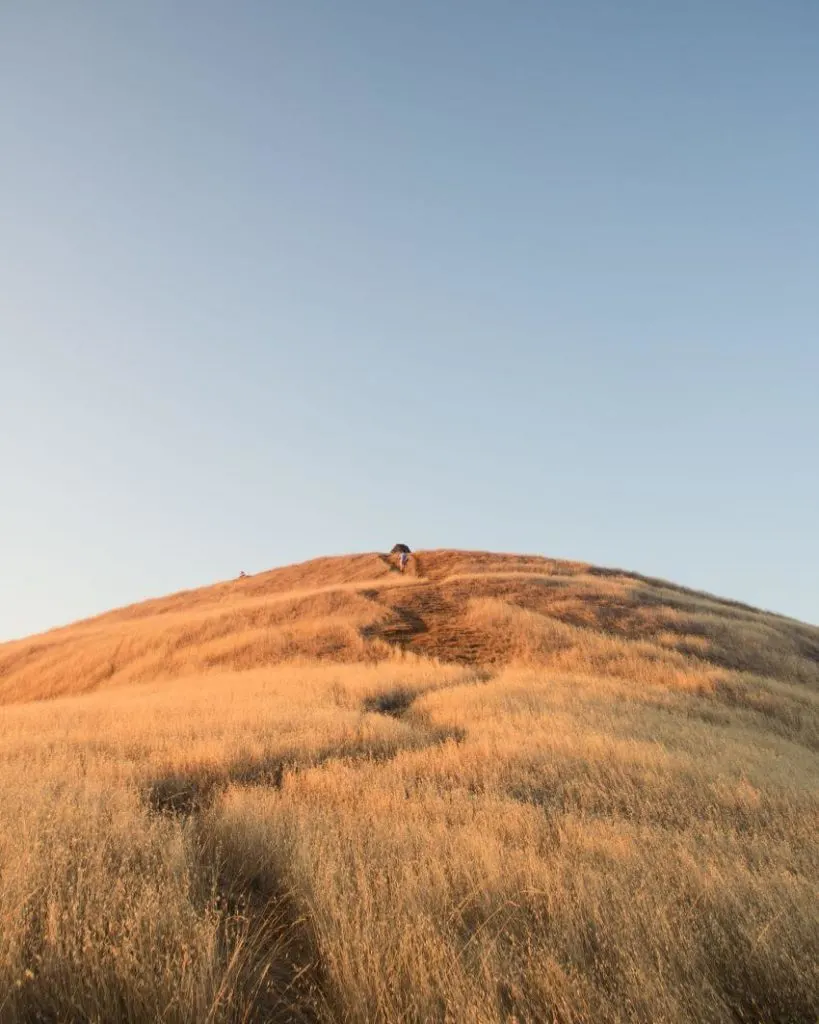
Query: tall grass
x=606, y=829
x=532, y=846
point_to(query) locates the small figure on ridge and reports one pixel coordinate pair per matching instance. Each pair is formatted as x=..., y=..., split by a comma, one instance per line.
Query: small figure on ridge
x=403, y=552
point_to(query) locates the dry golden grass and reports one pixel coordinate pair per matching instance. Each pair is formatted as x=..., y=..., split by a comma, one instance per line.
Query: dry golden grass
x=497, y=789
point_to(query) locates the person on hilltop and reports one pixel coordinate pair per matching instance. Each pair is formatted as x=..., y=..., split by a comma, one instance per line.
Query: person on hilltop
x=403, y=553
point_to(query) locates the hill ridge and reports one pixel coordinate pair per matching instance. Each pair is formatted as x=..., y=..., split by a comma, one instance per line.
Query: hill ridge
x=464, y=607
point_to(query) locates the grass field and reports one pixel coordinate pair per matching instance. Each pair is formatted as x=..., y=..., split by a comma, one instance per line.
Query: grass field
x=497, y=788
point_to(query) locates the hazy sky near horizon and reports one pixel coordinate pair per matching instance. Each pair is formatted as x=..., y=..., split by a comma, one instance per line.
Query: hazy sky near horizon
x=280, y=280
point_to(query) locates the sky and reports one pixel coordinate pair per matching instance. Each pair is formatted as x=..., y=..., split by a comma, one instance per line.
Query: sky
x=281, y=280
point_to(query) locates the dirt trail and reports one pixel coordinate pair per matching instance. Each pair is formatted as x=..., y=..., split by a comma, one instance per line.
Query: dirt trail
x=431, y=621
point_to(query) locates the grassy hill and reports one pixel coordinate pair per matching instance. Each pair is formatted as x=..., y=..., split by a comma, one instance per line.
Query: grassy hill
x=495, y=788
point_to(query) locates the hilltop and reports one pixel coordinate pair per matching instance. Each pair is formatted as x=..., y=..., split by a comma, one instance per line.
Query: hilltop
x=472, y=608
x=492, y=788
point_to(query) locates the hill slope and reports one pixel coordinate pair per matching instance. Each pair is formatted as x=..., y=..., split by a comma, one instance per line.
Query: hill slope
x=496, y=788
x=465, y=607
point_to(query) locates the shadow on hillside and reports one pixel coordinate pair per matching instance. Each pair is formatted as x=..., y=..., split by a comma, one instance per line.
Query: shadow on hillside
x=394, y=702
x=273, y=967
x=183, y=794
x=267, y=941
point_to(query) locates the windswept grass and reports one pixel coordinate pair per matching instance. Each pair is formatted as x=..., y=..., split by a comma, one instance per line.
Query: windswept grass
x=609, y=823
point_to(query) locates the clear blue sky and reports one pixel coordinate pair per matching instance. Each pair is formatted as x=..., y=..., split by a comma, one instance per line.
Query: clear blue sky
x=287, y=279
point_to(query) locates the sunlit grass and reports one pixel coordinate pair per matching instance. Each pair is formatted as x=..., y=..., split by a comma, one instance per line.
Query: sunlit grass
x=611, y=824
